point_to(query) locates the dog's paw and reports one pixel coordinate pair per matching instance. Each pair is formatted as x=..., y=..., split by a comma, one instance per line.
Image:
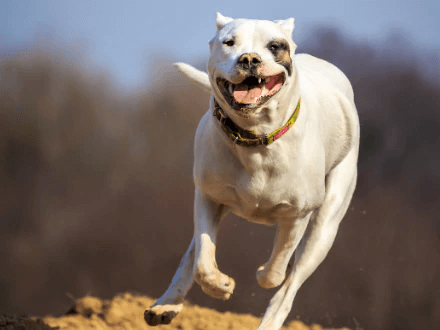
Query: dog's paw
x=269, y=278
x=216, y=284
x=161, y=314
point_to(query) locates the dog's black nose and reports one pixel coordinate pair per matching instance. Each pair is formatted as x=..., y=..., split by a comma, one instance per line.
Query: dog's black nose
x=249, y=61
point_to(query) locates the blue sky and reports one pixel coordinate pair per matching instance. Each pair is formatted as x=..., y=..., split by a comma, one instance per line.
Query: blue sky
x=123, y=37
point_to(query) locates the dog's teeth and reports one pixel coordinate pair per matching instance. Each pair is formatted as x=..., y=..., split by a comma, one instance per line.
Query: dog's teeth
x=259, y=80
x=267, y=80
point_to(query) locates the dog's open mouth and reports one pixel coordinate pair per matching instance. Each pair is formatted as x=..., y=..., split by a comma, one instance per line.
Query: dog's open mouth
x=251, y=92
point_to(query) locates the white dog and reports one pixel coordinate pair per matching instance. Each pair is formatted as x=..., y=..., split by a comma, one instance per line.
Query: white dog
x=278, y=146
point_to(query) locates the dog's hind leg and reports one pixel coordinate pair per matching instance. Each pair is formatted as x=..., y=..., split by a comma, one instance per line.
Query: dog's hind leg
x=171, y=302
x=288, y=235
x=207, y=216
x=317, y=240
x=198, y=262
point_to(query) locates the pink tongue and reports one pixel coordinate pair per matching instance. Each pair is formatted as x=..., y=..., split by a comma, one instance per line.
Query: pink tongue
x=275, y=81
x=246, y=96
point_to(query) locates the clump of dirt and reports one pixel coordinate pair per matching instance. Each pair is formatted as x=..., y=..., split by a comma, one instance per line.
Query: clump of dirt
x=22, y=322
x=126, y=312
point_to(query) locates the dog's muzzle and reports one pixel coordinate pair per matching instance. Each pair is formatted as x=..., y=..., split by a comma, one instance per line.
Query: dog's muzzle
x=255, y=89
x=249, y=62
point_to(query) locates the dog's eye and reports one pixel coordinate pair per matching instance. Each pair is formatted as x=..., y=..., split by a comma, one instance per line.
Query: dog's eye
x=275, y=46
x=229, y=42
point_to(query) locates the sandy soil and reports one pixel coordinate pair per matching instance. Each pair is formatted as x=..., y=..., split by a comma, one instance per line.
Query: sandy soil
x=125, y=312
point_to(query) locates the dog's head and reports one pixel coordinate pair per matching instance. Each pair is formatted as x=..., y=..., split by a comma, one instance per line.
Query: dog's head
x=251, y=62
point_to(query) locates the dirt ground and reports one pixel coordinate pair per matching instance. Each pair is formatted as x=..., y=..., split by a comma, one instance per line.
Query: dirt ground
x=125, y=312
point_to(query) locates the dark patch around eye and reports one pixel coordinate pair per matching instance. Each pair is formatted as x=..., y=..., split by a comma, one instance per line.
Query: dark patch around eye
x=281, y=53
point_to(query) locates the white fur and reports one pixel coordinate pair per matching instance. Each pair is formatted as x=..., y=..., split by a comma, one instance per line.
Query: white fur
x=198, y=77
x=302, y=183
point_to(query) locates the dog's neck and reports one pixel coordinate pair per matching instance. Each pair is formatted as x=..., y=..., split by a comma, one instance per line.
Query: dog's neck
x=248, y=138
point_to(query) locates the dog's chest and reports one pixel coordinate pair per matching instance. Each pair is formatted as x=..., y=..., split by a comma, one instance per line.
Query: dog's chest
x=262, y=198
x=264, y=189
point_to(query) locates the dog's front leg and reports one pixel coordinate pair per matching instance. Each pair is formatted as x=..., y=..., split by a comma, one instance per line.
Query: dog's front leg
x=289, y=233
x=207, y=215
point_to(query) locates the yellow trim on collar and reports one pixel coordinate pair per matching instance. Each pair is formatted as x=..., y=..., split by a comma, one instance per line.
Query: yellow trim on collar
x=247, y=138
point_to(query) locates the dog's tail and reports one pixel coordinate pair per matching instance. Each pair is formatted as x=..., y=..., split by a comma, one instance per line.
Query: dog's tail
x=198, y=77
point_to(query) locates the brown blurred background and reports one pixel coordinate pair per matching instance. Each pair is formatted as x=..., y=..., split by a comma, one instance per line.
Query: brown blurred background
x=96, y=190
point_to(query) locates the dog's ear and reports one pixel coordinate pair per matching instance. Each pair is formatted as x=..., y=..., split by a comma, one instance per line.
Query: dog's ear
x=287, y=25
x=222, y=21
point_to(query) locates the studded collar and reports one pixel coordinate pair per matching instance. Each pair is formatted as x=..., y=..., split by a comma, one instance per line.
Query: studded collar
x=247, y=138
